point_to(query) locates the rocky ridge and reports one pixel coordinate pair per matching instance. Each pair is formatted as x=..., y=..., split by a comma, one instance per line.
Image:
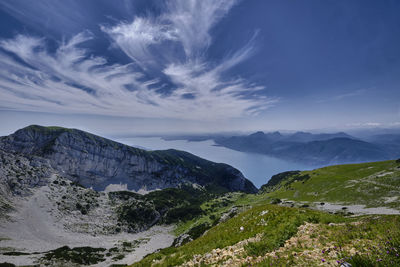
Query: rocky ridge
x=97, y=162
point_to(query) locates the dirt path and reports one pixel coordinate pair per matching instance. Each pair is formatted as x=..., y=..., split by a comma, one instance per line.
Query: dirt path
x=356, y=209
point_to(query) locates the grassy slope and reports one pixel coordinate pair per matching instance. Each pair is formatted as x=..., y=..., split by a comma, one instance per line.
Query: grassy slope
x=290, y=237
x=214, y=208
x=371, y=184
x=371, y=241
x=281, y=224
x=281, y=238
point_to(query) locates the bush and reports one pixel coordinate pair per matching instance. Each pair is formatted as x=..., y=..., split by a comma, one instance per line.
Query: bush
x=276, y=201
x=78, y=255
x=183, y=213
x=118, y=257
x=77, y=184
x=198, y=230
x=15, y=253
x=138, y=215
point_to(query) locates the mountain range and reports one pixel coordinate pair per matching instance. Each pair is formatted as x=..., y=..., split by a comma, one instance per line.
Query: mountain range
x=315, y=149
x=71, y=198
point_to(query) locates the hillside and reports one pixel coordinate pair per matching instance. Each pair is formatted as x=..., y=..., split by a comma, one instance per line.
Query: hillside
x=374, y=184
x=246, y=230
x=314, y=149
x=280, y=236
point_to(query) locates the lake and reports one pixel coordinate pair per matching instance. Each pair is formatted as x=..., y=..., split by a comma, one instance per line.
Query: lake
x=256, y=167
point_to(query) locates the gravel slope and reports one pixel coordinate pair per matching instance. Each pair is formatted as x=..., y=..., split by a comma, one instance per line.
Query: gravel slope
x=34, y=228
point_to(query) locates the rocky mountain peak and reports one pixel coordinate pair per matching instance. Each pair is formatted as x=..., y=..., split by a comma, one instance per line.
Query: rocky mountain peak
x=98, y=162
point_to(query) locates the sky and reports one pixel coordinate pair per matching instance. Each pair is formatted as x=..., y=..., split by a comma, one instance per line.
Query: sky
x=196, y=66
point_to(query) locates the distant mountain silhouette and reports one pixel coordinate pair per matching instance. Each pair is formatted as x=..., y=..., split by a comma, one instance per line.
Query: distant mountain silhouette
x=315, y=149
x=309, y=137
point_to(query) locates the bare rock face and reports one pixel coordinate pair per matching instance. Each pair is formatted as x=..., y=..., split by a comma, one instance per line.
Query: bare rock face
x=97, y=162
x=19, y=174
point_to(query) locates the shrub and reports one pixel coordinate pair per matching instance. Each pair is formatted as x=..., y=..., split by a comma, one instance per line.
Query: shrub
x=276, y=201
x=78, y=255
x=118, y=257
x=183, y=213
x=198, y=230
x=15, y=253
x=138, y=215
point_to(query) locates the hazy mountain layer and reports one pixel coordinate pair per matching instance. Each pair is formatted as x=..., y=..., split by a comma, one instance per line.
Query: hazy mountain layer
x=315, y=149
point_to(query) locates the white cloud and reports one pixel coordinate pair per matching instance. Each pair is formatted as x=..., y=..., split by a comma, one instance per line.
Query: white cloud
x=135, y=38
x=171, y=46
x=193, y=20
x=365, y=124
x=352, y=94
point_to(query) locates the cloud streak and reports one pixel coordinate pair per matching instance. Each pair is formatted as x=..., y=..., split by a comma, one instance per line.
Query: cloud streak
x=168, y=76
x=343, y=96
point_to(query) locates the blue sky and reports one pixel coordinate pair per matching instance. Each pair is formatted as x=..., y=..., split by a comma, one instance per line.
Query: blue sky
x=199, y=66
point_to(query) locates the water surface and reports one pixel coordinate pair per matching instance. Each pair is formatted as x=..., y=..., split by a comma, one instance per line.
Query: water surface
x=256, y=167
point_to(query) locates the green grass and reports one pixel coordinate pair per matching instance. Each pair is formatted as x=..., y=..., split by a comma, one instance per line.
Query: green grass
x=373, y=241
x=369, y=184
x=39, y=128
x=214, y=208
x=282, y=223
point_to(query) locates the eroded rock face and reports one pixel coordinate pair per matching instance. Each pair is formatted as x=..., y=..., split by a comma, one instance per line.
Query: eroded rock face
x=19, y=174
x=96, y=162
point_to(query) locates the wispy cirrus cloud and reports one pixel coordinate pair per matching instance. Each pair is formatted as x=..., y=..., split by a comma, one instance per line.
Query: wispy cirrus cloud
x=169, y=74
x=339, y=97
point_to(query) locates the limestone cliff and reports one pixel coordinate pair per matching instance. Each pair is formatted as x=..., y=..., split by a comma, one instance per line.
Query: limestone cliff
x=97, y=162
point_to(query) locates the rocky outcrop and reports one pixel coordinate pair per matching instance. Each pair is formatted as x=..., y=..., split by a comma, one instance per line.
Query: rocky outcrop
x=19, y=174
x=97, y=162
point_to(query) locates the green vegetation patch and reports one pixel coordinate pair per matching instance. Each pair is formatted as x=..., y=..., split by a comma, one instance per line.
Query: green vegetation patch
x=274, y=222
x=168, y=206
x=78, y=255
x=15, y=253
x=372, y=241
x=372, y=184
